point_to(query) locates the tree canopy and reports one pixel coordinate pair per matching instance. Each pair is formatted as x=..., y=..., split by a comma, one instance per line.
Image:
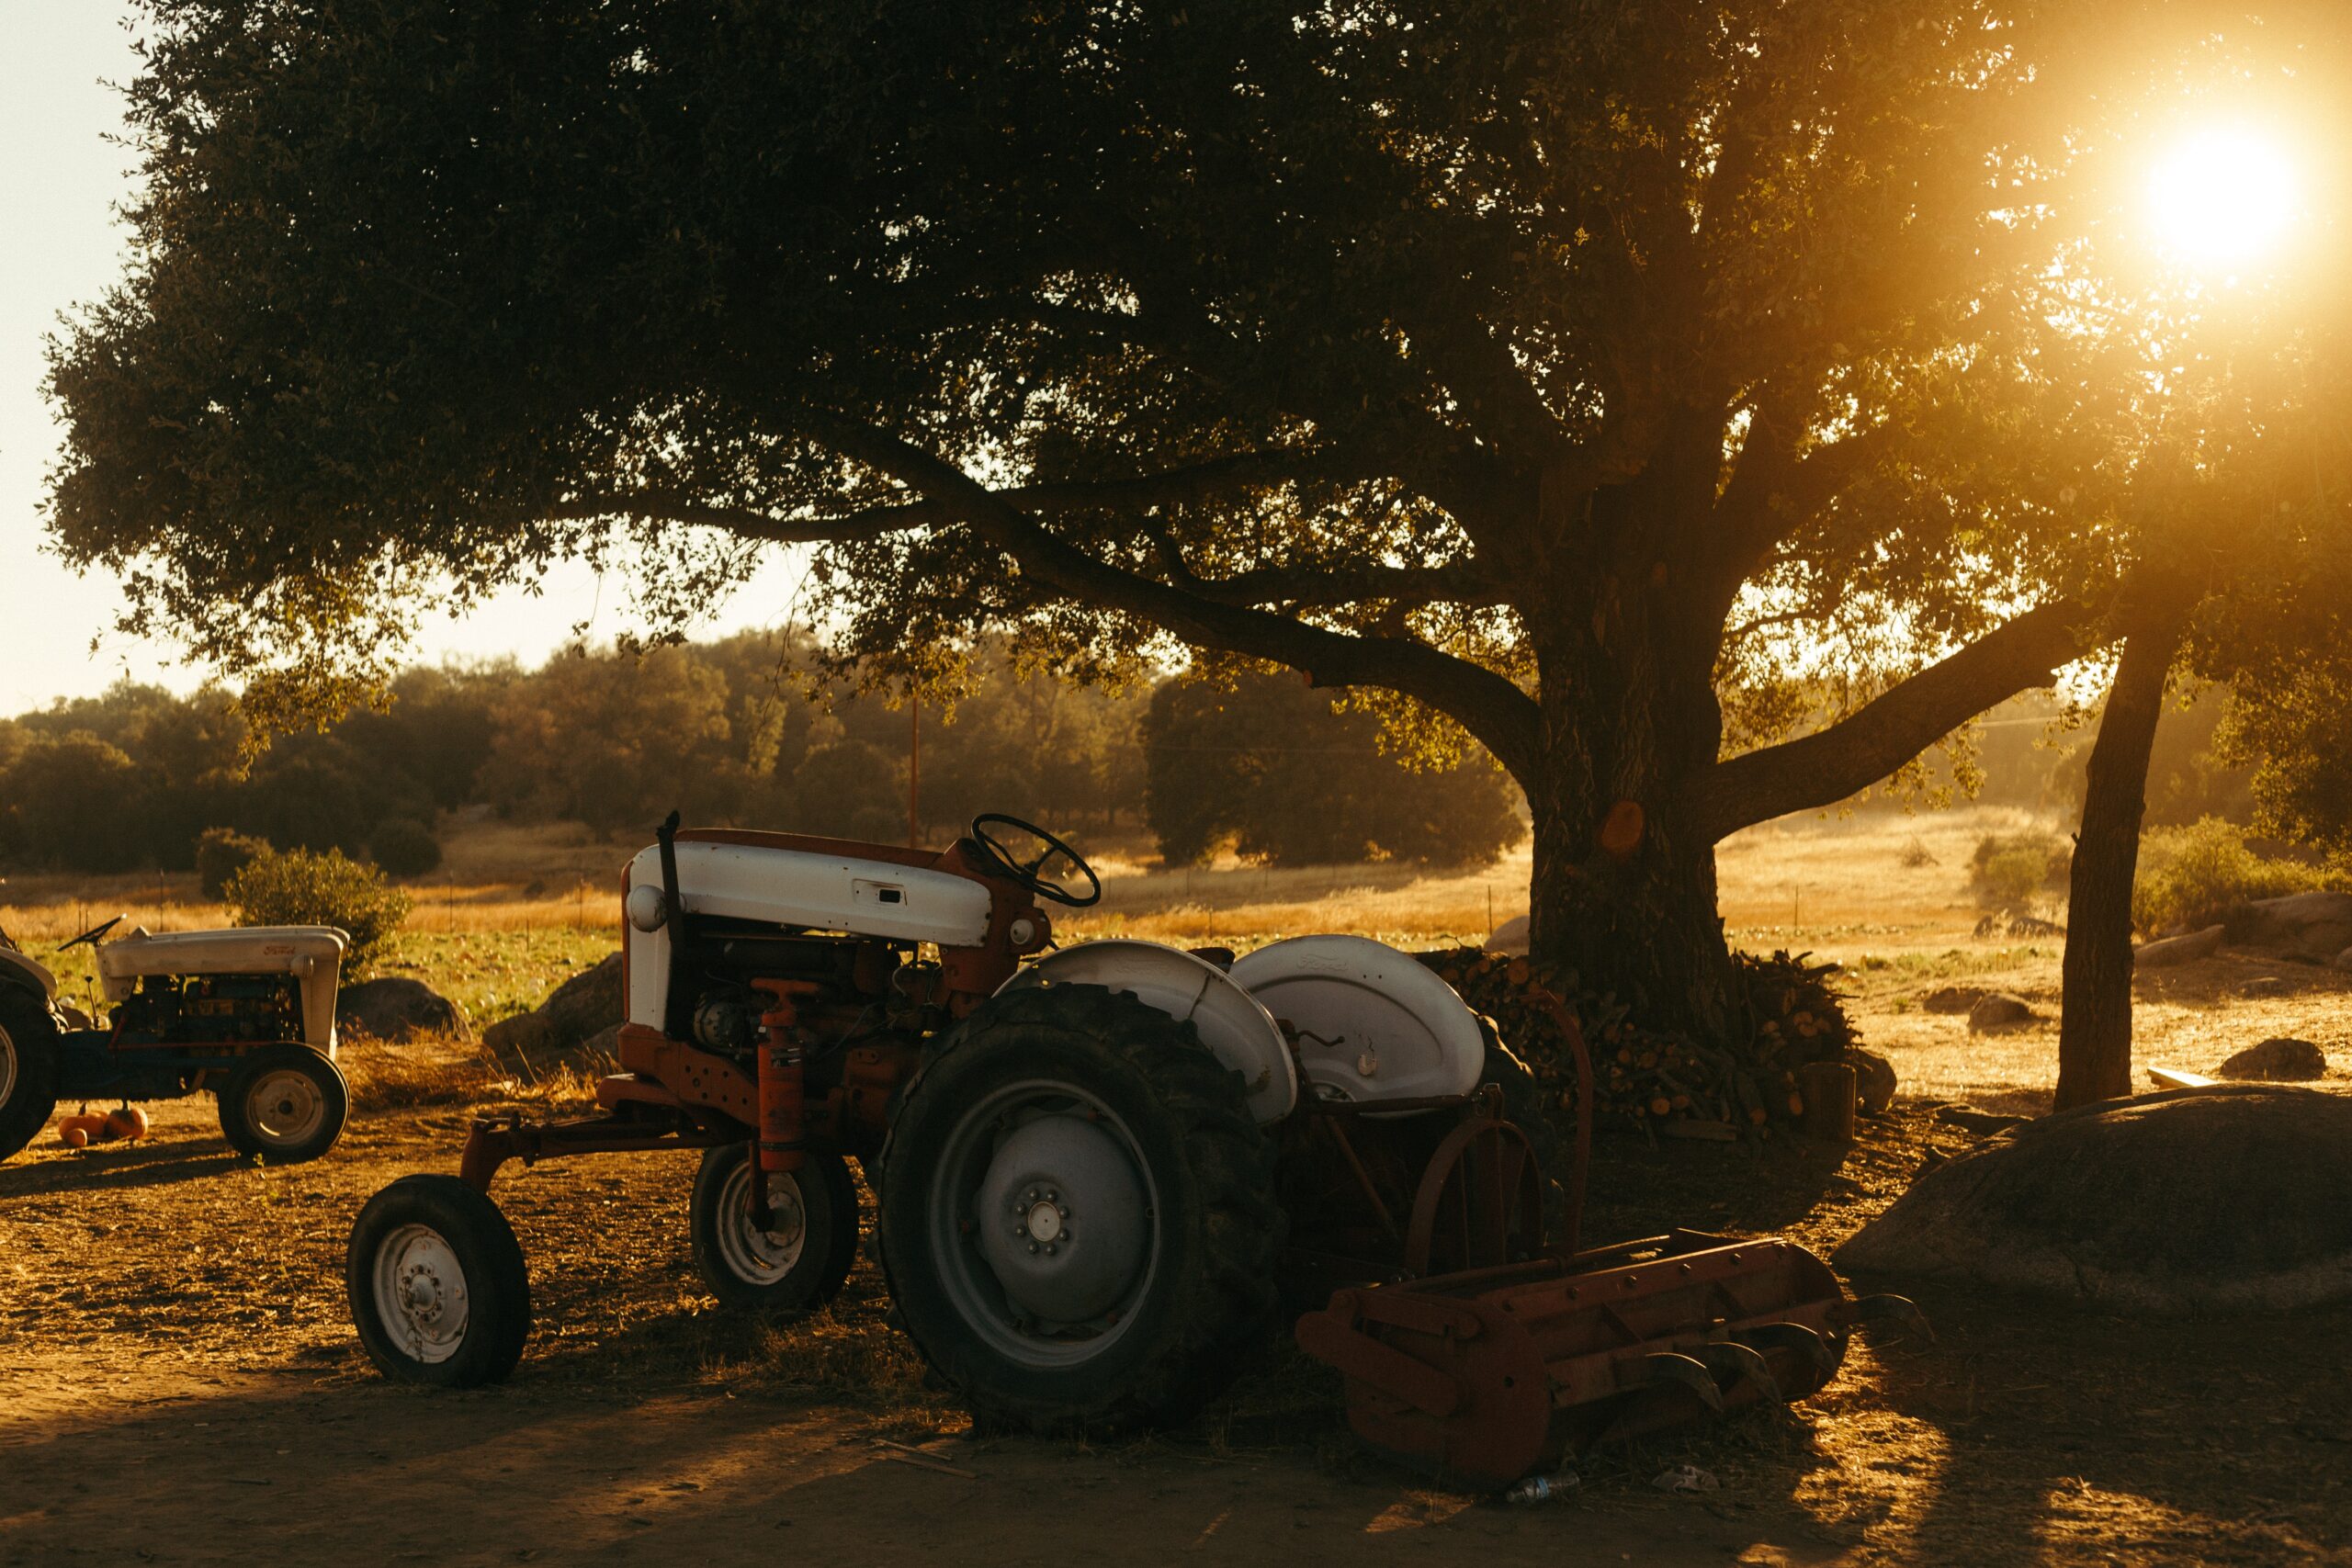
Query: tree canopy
x=1600, y=378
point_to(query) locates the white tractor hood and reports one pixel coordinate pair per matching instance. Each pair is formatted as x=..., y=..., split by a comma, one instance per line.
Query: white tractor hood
x=312, y=954
x=798, y=888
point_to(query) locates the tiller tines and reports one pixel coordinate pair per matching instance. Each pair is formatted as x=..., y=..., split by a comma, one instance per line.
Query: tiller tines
x=1491, y=1373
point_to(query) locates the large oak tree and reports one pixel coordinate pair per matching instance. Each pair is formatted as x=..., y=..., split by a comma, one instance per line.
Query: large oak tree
x=1612, y=379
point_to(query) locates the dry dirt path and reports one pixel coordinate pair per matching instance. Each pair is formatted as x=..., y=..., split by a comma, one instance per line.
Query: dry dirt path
x=294, y=1469
x=179, y=1384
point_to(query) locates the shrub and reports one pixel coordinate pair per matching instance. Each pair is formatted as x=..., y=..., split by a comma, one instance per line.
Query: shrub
x=300, y=888
x=221, y=854
x=2009, y=870
x=2188, y=876
x=406, y=847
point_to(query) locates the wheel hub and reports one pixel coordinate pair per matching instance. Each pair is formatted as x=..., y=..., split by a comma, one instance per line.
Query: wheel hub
x=285, y=1107
x=421, y=1292
x=1062, y=1220
x=762, y=1256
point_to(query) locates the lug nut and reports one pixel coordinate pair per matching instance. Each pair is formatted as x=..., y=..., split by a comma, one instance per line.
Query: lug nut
x=1063, y=1210
x=1049, y=1249
x=1021, y=1230
x=1032, y=1246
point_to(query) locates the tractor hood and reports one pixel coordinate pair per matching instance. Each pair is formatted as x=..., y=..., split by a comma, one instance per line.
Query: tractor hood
x=312, y=954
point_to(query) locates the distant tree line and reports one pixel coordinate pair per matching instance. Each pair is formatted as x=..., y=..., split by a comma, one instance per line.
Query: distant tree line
x=727, y=732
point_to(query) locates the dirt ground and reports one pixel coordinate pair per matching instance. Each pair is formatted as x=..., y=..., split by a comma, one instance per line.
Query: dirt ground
x=179, y=1381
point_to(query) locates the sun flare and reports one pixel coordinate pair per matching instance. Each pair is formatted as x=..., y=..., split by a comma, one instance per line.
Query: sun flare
x=2222, y=196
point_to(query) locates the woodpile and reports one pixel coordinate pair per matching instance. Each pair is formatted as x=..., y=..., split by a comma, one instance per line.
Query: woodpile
x=1785, y=1015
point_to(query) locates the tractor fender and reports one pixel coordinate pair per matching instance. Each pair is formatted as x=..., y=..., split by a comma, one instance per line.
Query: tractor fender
x=1236, y=1030
x=1372, y=1023
x=25, y=973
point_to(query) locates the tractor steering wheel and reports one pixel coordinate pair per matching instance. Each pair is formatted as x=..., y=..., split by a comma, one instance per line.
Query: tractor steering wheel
x=94, y=936
x=1026, y=872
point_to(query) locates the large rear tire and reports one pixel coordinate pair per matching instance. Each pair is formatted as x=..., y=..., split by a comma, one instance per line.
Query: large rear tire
x=28, y=1059
x=1077, y=1216
x=796, y=1266
x=436, y=1283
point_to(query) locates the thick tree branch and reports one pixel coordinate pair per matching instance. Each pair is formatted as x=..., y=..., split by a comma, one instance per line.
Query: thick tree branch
x=1502, y=717
x=1198, y=482
x=1453, y=584
x=1825, y=767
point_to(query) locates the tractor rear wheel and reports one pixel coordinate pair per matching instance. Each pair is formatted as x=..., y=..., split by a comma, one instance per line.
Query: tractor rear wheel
x=285, y=1104
x=1077, y=1215
x=797, y=1264
x=28, y=1053
x=436, y=1283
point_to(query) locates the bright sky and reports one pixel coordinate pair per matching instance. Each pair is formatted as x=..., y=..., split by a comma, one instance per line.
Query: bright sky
x=60, y=246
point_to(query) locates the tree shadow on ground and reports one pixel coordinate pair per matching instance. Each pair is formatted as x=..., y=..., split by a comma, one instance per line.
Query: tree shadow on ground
x=125, y=1165
x=2073, y=1434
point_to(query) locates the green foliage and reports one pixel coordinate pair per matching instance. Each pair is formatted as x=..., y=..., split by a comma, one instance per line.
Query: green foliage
x=1302, y=262
x=76, y=804
x=297, y=888
x=221, y=854
x=850, y=789
x=2009, y=871
x=406, y=847
x=2191, y=877
x=1269, y=768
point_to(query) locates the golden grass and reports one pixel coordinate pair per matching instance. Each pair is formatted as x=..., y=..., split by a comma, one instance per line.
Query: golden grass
x=443, y=1070
x=519, y=908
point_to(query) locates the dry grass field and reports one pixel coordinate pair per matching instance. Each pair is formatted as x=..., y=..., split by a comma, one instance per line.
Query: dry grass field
x=179, y=1383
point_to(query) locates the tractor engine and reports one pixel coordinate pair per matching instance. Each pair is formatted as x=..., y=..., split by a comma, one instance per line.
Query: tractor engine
x=743, y=946
x=209, y=1009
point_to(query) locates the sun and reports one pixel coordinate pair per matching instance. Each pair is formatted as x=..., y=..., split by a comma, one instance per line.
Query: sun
x=2222, y=196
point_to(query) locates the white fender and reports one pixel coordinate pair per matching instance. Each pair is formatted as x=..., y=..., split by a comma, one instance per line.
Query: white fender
x=1372, y=1023
x=1238, y=1031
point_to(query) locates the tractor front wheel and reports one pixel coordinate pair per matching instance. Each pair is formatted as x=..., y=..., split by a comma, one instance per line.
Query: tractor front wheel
x=28, y=1059
x=436, y=1283
x=800, y=1260
x=1078, y=1217
x=285, y=1104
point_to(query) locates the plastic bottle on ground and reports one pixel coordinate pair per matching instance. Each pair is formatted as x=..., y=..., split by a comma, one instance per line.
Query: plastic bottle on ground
x=1544, y=1488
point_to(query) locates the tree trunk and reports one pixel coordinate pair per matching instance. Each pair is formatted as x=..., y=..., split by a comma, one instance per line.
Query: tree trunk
x=1624, y=889
x=2095, y=1029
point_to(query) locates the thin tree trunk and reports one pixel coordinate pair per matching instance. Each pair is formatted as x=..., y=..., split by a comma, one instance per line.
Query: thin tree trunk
x=2095, y=1029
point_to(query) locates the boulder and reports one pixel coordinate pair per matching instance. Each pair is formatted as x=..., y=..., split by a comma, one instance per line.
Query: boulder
x=587, y=1004
x=2275, y=1059
x=1873, y=1081
x=1510, y=938
x=2217, y=1199
x=2175, y=950
x=1998, y=1009
x=397, y=1008
x=1952, y=998
x=2313, y=926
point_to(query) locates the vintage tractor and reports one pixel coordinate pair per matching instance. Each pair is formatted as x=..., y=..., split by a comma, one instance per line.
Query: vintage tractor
x=244, y=1014
x=1100, y=1172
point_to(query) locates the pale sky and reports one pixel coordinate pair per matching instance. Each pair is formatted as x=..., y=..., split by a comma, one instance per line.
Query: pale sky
x=60, y=244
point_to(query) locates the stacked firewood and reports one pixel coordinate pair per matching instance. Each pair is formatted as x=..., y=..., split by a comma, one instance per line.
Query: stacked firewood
x=1785, y=1015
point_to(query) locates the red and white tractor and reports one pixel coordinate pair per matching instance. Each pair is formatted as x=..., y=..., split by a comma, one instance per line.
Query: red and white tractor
x=1100, y=1169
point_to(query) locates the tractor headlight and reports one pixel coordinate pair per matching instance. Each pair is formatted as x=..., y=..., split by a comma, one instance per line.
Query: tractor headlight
x=646, y=906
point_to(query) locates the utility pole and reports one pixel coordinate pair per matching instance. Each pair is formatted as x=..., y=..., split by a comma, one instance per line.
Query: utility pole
x=914, y=772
